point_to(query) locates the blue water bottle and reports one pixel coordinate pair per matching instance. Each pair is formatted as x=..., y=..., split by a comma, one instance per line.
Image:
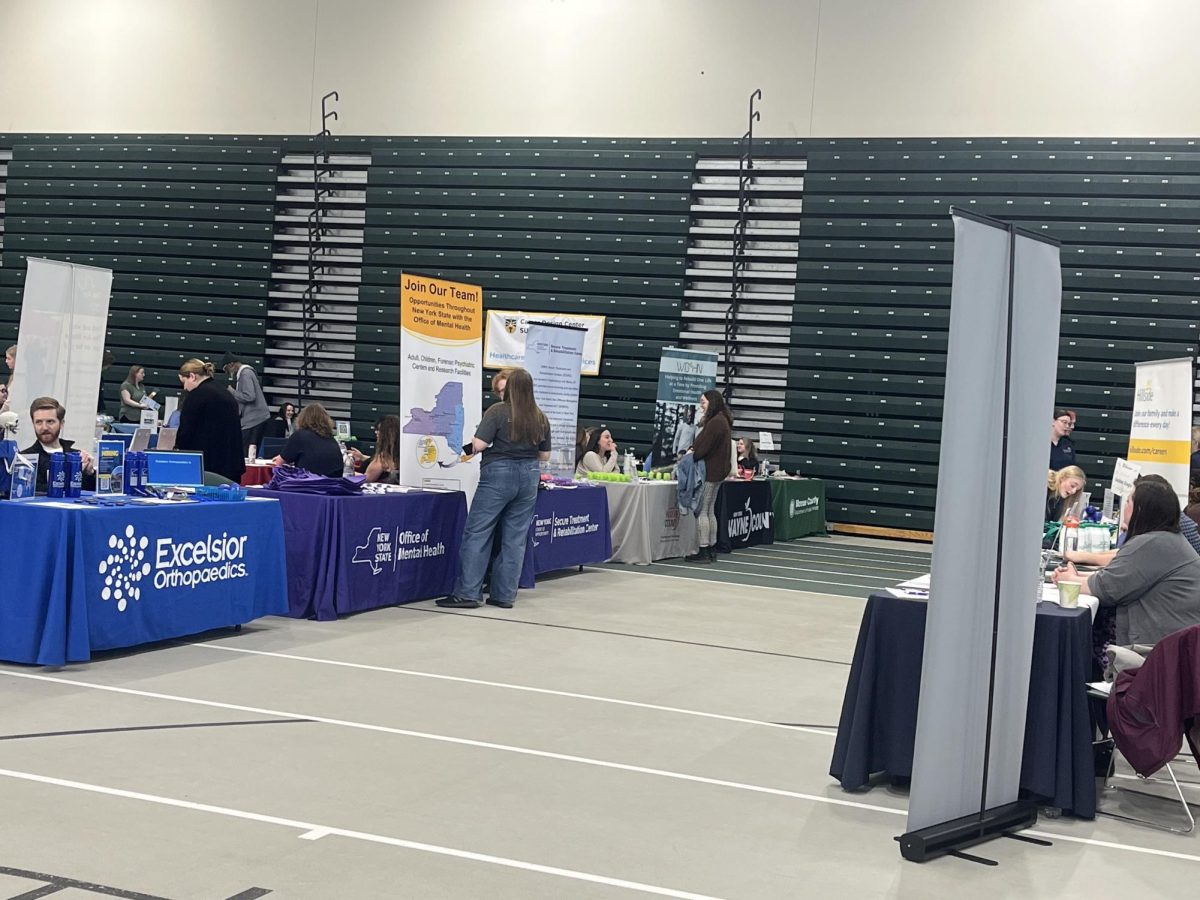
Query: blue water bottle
x=56, y=482
x=74, y=475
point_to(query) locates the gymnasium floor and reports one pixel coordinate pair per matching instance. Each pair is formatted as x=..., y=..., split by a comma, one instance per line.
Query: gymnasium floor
x=617, y=734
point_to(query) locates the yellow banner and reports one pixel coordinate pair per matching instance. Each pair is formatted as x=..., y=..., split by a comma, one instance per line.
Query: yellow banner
x=445, y=312
x=1160, y=451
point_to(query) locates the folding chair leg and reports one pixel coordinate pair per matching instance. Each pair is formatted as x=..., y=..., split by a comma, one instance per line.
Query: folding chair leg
x=1178, y=792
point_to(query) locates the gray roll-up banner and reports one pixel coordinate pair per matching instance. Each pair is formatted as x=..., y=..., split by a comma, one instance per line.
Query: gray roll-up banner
x=988, y=520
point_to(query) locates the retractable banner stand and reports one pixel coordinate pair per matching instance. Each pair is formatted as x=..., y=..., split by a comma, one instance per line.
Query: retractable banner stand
x=60, y=345
x=1000, y=377
x=1160, y=435
x=441, y=381
x=508, y=332
x=553, y=357
x=683, y=375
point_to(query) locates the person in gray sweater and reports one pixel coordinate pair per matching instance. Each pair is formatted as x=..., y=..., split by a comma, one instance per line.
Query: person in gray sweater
x=252, y=405
x=1154, y=579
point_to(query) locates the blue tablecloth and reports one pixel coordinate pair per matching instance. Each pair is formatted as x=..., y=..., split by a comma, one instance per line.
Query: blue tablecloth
x=570, y=528
x=878, y=726
x=347, y=554
x=80, y=579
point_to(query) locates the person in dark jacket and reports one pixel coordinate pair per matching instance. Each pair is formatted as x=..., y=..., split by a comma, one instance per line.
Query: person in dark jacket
x=209, y=421
x=282, y=424
x=1062, y=451
x=312, y=445
x=712, y=447
x=47, y=415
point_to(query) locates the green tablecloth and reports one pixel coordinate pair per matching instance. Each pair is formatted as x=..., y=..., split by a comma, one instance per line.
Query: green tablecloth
x=799, y=507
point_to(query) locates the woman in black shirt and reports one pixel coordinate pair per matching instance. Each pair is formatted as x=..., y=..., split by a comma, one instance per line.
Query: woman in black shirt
x=209, y=421
x=512, y=437
x=312, y=445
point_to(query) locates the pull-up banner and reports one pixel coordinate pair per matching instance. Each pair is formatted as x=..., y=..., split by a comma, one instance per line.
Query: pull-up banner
x=1160, y=434
x=507, y=333
x=441, y=381
x=1001, y=368
x=60, y=345
x=683, y=375
x=553, y=355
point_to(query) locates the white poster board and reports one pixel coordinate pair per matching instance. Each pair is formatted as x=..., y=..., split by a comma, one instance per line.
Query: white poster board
x=1007, y=286
x=507, y=330
x=1160, y=433
x=553, y=355
x=60, y=344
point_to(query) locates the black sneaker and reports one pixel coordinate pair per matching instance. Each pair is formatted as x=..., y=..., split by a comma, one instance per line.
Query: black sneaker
x=700, y=556
x=454, y=602
x=503, y=604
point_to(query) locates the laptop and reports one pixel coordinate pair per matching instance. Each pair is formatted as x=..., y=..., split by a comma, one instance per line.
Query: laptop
x=141, y=440
x=166, y=438
x=270, y=447
x=174, y=469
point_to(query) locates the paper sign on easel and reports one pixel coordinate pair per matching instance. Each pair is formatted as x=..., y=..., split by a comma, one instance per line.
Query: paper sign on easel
x=765, y=441
x=1125, y=474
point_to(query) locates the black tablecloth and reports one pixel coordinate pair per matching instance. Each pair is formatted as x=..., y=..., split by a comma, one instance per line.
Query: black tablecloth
x=878, y=726
x=745, y=514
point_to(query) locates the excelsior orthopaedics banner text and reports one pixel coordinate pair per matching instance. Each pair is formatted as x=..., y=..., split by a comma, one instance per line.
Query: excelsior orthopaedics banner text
x=553, y=355
x=1160, y=434
x=60, y=345
x=507, y=330
x=441, y=339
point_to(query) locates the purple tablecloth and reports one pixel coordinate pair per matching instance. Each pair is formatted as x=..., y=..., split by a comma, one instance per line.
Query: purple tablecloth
x=346, y=554
x=570, y=528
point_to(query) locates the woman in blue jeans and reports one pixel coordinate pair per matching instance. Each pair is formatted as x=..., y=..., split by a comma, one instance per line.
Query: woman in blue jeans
x=513, y=436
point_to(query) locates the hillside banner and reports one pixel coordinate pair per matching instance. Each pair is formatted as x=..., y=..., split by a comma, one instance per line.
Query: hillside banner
x=1160, y=434
x=553, y=355
x=441, y=381
x=507, y=333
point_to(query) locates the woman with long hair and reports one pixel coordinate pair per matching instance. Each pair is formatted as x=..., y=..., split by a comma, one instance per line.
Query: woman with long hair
x=312, y=445
x=512, y=437
x=133, y=395
x=1064, y=493
x=599, y=454
x=1154, y=579
x=209, y=421
x=712, y=447
x=385, y=464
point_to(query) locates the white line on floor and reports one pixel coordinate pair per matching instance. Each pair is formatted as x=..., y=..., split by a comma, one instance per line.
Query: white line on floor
x=637, y=570
x=446, y=739
x=735, y=558
x=315, y=832
x=854, y=550
x=500, y=684
x=792, y=549
x=692, y=567
x=761, y=552
x=309, y=827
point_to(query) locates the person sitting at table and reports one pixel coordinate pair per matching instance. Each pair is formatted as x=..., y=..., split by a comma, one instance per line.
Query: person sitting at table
x=384, y=466
x=747, y=460
x=209, y=421
x=599, y=455
x=713, y=448
x=1153, y=581
x=48, y=415
x=312, y=445
x=512, y=436
x=1062, y=451
x=133, y=396
x=1064, y=493
x=281, y=424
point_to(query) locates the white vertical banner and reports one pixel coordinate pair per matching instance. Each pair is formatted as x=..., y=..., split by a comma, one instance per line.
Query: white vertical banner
x=441, y=381
x=60, y=344
x=1160, y=434
x=554, y=359
x=1000, y=375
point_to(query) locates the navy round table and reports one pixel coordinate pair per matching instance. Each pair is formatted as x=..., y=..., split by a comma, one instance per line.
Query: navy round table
x=877, y=730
